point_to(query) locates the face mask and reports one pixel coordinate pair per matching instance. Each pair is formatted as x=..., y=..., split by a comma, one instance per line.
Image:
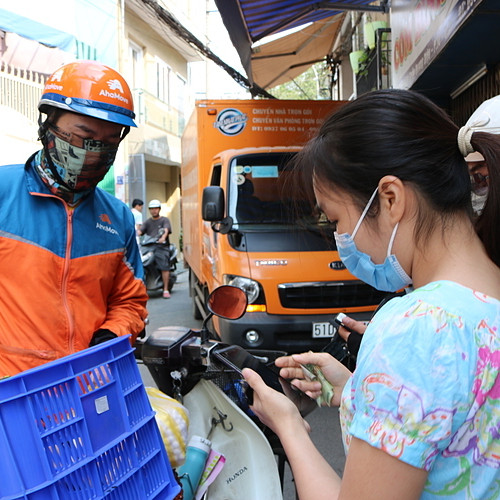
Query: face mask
x=481, y=191
x=479, y=182
x=478, y=201
x=77, y=168
x=388, y=277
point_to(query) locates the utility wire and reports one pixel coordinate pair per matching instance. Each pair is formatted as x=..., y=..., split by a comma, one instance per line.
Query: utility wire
x=188, y=37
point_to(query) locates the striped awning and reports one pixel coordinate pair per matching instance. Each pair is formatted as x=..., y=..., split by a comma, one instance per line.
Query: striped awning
x=248, y=21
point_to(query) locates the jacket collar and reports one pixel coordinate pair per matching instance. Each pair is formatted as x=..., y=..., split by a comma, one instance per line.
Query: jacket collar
x=33, y=182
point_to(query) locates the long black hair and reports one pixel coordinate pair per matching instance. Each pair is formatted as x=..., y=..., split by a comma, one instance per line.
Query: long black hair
x=400, y=133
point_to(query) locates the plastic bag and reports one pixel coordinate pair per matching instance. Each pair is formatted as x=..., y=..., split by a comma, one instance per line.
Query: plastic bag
x=173, y=422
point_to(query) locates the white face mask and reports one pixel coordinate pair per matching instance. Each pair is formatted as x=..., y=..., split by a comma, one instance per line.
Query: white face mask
x=478, y=201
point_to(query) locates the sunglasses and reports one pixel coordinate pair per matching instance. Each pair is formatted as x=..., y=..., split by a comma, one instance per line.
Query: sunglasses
x=477, y=178
x=82, y=142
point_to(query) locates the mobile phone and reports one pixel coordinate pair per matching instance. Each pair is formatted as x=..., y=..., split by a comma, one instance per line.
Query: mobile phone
x=339, y=321
x=237, y=358
x=337, y=347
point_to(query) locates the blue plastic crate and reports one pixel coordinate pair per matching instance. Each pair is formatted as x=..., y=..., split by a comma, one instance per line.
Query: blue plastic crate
x=82, y=428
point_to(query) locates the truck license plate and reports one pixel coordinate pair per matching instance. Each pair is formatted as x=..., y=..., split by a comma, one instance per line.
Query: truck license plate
x=323, y=330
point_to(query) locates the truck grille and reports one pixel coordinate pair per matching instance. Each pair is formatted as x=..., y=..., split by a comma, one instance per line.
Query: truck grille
x=328, y=295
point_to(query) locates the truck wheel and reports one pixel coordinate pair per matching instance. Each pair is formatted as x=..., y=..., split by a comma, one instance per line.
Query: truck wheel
x=192, y=291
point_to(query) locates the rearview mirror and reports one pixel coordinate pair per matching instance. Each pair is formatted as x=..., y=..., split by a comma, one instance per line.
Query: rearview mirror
x=229, y=302
x=212, y=204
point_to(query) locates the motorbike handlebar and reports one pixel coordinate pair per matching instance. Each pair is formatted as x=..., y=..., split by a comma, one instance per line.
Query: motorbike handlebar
x=178, y=357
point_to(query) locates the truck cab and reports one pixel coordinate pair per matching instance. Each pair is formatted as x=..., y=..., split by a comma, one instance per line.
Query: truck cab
x=259, y=234
x=247, y=222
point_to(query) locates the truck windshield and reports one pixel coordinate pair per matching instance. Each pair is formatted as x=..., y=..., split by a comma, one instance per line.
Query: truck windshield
x=261, y=191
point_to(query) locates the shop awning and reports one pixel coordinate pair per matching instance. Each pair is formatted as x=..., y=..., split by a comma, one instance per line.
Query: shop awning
x=248, y=21
x=284, y=59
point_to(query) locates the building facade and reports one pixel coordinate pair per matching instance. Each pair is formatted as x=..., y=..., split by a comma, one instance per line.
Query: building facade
x=129, y=35
x=446, y=50
x=155, y=61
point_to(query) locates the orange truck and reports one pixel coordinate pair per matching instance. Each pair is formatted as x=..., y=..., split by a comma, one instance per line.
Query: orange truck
x=239, y=226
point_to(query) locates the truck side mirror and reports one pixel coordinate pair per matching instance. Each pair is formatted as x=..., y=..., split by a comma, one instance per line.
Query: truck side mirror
x=212, y=205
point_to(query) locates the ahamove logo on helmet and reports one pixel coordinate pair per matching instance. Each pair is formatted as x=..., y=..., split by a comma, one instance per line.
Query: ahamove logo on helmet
x=114, y=85
x=53, y=86
x=56, y=77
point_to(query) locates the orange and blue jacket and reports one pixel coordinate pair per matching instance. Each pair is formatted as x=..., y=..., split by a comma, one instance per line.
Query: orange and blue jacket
x=64, y=273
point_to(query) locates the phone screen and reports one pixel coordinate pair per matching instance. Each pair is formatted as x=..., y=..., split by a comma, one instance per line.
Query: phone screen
x=238, y=358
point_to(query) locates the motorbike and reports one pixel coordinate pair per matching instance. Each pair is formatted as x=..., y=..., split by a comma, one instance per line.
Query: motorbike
x=152, y=275
x=204, y=374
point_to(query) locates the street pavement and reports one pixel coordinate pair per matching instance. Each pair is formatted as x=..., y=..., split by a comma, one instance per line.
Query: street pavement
x=324, y=422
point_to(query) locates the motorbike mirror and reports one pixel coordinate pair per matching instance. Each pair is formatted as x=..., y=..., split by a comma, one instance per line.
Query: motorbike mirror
x=229, y=302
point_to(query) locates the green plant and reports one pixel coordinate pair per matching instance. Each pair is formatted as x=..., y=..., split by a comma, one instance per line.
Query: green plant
x=363, y=64
x=359, y=62
x=370, y=29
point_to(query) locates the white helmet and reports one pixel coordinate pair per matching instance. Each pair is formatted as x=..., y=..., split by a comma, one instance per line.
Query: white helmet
x=154, y=204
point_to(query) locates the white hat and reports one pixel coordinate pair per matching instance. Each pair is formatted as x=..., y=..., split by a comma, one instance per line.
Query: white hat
x=486, y=118
x=474, y=157
x=154, y=204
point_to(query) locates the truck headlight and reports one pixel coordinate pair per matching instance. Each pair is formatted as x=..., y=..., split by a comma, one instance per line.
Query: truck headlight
x=250, y=287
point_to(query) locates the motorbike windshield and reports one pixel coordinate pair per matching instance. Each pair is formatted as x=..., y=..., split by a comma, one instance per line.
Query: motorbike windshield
x=262, y=190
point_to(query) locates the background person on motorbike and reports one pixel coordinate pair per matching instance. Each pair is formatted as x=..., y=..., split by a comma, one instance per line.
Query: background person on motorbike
x=417, y=413
x=159, y=227
x=70, y=266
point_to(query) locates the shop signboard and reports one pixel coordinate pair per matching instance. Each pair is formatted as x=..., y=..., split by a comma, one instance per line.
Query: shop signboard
x=420, y=31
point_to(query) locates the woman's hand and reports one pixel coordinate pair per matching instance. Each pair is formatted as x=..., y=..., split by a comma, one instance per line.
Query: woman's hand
x=357, y=326
x=334, y=371
x=274, y=410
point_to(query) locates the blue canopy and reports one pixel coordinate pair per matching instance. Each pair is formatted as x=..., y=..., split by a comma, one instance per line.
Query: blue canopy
x=248, y=21
x=32, y=30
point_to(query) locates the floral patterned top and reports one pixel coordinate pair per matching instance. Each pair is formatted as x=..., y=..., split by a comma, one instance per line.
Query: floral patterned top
x=426, y=389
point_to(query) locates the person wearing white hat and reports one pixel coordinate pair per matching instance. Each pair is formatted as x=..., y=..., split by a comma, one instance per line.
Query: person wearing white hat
x=486, y=118
x=479, y=177
x=476, y=141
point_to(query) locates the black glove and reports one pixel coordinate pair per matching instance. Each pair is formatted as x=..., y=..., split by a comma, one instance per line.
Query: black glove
x=102, y=335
